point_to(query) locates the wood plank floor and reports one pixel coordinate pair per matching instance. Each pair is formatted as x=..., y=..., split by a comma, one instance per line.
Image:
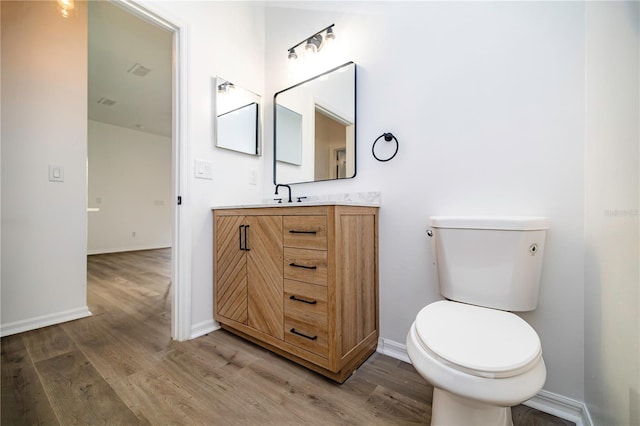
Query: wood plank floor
x=120, y=367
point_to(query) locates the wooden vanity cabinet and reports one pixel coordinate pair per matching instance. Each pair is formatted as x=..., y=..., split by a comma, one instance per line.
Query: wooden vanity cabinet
x=300, y=281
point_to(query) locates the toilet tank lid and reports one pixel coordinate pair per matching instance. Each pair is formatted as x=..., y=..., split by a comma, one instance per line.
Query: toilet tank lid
x=518, y=223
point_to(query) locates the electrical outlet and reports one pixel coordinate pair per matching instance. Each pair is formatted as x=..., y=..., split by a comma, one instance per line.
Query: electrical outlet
x=253, y=177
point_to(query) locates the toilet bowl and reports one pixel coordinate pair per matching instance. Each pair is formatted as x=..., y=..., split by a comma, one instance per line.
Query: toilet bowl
x=481, y=361
x=481, y=358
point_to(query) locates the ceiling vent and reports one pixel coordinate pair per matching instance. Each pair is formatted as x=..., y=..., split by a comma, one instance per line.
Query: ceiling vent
x=106, y=101
x=139, y=70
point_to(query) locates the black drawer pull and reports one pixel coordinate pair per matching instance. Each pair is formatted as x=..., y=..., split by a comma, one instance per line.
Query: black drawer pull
x=295, y=265
x=311, y=302
x=293, y=330
x=293, y=231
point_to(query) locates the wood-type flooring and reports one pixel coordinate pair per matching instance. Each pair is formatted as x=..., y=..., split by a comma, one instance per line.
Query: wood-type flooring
x=120, y=367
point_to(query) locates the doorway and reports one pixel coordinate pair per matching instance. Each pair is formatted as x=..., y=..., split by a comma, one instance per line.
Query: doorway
x=135, y=144
x=334, y=142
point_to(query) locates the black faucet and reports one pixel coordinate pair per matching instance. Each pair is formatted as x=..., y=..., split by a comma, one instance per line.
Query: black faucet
x=285, y=186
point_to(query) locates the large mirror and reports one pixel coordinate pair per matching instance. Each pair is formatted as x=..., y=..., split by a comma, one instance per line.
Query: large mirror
x=315, y=128
x=237, y=118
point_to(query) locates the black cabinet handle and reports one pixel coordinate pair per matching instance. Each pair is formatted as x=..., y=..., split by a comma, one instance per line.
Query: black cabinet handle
x=246, y=242
x=293, y=330
x=295, y=265
x=311, y=302
x=293, y=231
x=240, y=236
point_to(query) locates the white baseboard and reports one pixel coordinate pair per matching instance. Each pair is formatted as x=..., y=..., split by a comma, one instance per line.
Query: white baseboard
x=545, y=401
x=43, y=321
x=561, y=406
x=393, y=349
x=133, y=248
x=203, y=328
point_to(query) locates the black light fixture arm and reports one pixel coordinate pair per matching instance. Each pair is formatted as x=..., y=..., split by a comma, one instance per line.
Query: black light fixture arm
x=311, y=36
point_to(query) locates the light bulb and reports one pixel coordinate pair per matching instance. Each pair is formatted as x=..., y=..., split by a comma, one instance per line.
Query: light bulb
x=330, y=34
x=314, y=44
x=310, y=47
x=65, y=7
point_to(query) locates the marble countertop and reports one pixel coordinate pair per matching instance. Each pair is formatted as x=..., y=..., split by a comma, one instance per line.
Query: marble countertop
x=295, y=204
x=363, y=199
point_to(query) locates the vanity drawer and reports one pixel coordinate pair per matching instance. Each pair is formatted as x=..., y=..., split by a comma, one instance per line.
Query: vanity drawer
x=305, y=265
x=307, y=302
x=305, y=232
x=305, y=316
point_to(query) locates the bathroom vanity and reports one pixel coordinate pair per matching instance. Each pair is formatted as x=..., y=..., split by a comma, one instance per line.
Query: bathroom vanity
x=301, y=281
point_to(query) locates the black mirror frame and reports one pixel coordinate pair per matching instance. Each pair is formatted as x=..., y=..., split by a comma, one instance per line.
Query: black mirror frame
x=355, y=114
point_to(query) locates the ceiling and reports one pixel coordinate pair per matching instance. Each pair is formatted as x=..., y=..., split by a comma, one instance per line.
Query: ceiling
x=118, y=41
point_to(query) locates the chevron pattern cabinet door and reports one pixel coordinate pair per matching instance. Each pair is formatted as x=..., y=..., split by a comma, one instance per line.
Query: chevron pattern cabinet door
x=230, y=270
x=264, y=270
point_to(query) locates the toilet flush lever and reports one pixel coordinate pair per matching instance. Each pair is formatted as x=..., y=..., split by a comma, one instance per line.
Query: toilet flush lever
x=430, y=233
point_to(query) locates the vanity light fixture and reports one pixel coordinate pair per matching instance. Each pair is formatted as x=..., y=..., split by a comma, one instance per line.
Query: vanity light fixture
x=315, y=42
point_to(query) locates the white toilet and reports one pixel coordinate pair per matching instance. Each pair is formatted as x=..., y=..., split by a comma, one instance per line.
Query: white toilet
x=480, y=358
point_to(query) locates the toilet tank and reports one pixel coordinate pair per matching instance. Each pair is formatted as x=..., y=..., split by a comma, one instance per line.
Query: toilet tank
x=490, y=261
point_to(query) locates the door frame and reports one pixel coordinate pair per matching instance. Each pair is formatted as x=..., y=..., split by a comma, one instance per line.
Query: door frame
x=181, y=232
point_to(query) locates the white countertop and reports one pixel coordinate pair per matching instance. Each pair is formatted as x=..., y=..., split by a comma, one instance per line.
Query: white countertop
x=362, y=199
x=296, y=204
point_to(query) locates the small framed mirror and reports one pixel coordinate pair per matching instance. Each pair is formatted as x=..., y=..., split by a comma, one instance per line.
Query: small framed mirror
x=237, y=118
x=315, y=128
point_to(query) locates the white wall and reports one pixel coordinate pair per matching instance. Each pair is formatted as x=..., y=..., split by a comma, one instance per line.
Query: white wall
x=612, y=232
x=487, y=102
x=130, y=182
x=223, y=39
x=44, y=122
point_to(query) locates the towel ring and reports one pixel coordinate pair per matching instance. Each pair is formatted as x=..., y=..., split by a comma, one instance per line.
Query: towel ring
x=388, y=137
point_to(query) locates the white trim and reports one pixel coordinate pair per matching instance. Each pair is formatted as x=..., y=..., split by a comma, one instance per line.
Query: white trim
x=181, y=306
x=123, y=249
x=43, y=321
x=393, y=349
x=203, y=328
x=545, y=401
x=561, y=406
x=181, y=240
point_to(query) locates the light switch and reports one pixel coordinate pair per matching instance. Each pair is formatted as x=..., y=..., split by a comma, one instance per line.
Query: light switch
x=204, y=169
x=56, y=173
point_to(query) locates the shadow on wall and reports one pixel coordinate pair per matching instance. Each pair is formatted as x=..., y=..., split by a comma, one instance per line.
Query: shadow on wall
x=599, y=363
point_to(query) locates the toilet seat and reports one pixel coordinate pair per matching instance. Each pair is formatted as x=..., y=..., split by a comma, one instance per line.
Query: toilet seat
x=479, y=341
